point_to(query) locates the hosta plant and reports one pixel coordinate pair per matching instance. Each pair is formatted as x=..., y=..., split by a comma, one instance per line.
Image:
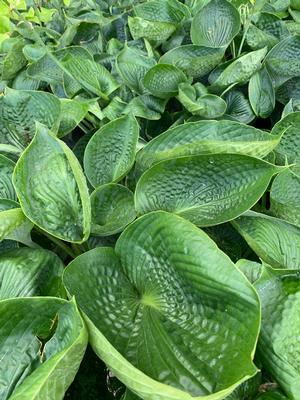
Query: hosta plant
x=149, y=199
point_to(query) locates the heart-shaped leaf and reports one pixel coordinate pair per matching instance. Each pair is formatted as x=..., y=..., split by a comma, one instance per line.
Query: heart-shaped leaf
x=39, y=338
x=52, y=189
x=112, y=209
x=238, y=107
x=195, y=61
x=216, y=24
x=30, y=272
x=110, y=153
x=206, y=189
x=279, y=346
x=273, y=240
x=167, y=310
x=163, y=80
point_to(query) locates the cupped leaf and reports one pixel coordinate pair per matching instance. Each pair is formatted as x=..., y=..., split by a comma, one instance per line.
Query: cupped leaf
x=251, y=269
x=240, y=70
x=72, y=112
x=206, y=137
x=273, y=240
x=162, y=80
x=206, y=189
x=216, y=24
x=206, y=106
x=261, y=93
x=195, y=61
x=39, y=338
x=7, y=190
x=154, y=31
x=110, y=152
x=52, y=189
x=14, y=60
x=146, y=106
x=279, y=346
x=92, y=76
x=284, y=197
x=30, y=272
x=289, y=145
x=19, y=111
x=166, y=323
x=132, y=64
x=238, y=107
x=112, y=209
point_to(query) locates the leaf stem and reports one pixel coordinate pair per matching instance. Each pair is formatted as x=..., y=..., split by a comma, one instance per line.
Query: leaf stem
x=57, y=242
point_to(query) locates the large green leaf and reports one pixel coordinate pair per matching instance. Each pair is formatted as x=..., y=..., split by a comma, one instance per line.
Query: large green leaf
x=19, y=111
x=279, y=346
x=206, y=189
x=30, y=272
x=7, y=190
x=216, y=24
x=206, y=137
x=289, y=146
x=283, y=61
x=72, y=112
x=110, y=153
x=132, y=65
x=261, y=93
x=195, y=61
x=112, y=209
x=240, y=70
x=163, y=80
x=42, y=342
x=167, y=310
x=273, y=240
x=285, y=195
x=52, y=189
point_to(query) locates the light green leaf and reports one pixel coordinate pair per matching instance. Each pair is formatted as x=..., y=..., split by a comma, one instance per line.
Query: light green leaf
x=112, y=209
x=251, y=269
x=19, y=111
x=261, y=93
x=132, y=65
x=241, y=69
x=194, y=61
x=34, y=52
x=206, y=189
x=15, y=226
x=216, y=24
x=206, y=137
x=146, y=106
x=14, y=60
x=289, y=145
x=154, y=319
x=279, y=346
x=30, y=272
x=7, y=190
x=153, y=31
x=162, y=80
x=284, y=197
x=72, y=112
x=275, y=241
x=206, y=106
x=52, y=189
x=283, y=61
x=91, y=75
x=39, y=338
x=110, y=153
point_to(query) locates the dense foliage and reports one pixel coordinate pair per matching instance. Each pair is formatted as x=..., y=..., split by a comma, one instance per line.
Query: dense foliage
x=149, y=199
